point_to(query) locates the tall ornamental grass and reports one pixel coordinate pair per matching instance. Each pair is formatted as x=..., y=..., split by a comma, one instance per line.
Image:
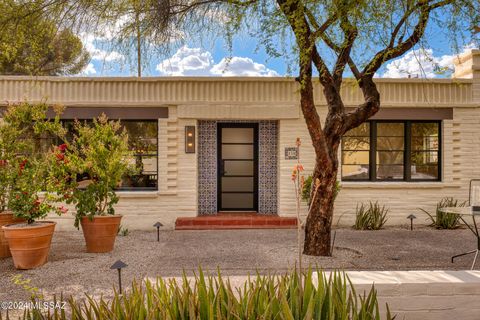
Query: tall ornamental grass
x=209, y=297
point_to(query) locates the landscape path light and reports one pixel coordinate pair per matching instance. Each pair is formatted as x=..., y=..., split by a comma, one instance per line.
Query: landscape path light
x=411, y=217
x=158, y=225
x=119, y=265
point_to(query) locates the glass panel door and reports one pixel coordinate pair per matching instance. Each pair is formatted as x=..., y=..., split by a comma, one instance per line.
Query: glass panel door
x=237, y=163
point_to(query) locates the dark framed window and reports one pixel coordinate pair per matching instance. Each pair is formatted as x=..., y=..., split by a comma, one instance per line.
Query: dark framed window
x=382, y=150
x=143, y=142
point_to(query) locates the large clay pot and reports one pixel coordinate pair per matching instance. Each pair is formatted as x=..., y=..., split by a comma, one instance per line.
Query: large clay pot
x=101, y=232
x=6, y=217
x=29, y=244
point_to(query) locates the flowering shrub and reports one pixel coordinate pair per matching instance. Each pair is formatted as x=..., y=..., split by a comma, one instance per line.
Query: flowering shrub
x=29, y=187
x=98, y=152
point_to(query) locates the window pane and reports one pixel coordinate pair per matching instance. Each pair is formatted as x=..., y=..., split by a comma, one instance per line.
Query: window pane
x=425, y=136
x=424, y=157
x=356, y=143
x=390, y=129
x=239, y=151
x=362, y=130
x=355, y=172
x=355, y=157
x=142, y=136
x=237, y=135
x=390, y=143
x=238, y=168
x=237, y=200
x=237, y=184
x=425, y=172
x=389, y=157
x=421, y=129
x=390, y=172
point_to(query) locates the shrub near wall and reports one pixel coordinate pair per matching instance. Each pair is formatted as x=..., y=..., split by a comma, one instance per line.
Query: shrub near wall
x=207, y=297
x=372, y=216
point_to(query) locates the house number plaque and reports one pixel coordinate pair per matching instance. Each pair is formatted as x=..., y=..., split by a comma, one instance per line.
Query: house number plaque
x=291, y=153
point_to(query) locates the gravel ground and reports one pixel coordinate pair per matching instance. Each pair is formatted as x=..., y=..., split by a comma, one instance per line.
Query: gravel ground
x=71, y=271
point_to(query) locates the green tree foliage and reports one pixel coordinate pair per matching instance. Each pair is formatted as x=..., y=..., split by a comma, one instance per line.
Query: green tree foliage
x=35, y=45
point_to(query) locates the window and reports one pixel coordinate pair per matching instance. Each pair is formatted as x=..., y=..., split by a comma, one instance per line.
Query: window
x=356, y=153
x=143, y=141
x=392, y=151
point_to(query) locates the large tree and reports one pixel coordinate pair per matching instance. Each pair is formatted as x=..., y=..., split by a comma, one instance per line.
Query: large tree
x=329, y=38
x=34, y=44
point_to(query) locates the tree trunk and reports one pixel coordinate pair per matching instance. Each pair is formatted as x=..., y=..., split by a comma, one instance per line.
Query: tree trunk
x=319, y=221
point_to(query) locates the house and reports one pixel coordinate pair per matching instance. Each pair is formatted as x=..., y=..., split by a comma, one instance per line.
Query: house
x=423, y=145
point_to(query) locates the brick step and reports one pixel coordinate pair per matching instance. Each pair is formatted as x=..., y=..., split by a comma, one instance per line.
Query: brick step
x=235, y=221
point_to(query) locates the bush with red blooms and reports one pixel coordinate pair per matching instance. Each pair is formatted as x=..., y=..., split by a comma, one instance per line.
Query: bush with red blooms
x=32, y=171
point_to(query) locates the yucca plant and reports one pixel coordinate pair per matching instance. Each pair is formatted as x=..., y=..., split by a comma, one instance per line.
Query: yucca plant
x=206, y=297
x=445, y=220
x=370, y=217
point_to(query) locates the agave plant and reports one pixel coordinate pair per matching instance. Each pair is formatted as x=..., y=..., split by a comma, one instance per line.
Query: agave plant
x=323, y=297
x=445, y=220
x=370, y=217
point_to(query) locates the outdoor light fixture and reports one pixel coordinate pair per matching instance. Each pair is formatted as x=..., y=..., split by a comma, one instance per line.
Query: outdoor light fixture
x=119, y=265
x=411, y=217
x=189, y=139
x=158, y=225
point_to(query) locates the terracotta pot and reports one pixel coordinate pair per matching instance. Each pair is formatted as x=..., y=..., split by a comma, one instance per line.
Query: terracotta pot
x=101, y=232
x=29, y=245
x=6, y=217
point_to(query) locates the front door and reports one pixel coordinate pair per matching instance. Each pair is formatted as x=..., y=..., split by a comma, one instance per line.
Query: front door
x=238, y=166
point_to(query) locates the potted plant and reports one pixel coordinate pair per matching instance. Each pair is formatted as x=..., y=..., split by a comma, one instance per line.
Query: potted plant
x=32, y=191
x=99, y=158
x=6, y=154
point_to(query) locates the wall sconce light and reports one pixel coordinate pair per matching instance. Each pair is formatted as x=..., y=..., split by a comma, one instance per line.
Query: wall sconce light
x=189, y=139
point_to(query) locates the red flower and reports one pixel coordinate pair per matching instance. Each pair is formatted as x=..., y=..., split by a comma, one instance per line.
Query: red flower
x=62, y=147
x=3, y=163
x=60, y=156
x=23, y=164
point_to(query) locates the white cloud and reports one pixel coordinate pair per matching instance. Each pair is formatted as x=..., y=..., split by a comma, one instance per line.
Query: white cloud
x=187, y=62
x=97, y=53
x=89, y=70
x=198, y=62
x=238, y=66
x=420, y=63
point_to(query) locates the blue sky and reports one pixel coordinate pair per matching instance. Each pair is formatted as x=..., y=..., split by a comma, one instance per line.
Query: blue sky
x=197, y=59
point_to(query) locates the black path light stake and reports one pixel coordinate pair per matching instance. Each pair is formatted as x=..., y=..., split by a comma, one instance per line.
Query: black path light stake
x=119, y=265
x=158, y=225
x=411, y=217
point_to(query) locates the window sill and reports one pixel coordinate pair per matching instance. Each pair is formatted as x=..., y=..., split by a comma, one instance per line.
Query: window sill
x=137, y=194
x=397, y=185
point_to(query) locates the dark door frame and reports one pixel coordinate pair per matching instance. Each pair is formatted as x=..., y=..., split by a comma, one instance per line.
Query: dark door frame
x=220, y=170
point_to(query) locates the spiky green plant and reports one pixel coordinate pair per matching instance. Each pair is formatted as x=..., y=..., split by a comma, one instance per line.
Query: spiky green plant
x=207, y=297
x=445, y=220
x=370, y=217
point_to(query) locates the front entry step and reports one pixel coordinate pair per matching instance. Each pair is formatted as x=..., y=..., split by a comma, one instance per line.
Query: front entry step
x=235, y=221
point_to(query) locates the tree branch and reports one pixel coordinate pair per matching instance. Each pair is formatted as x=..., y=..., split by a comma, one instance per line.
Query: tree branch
x=294, y=13
x=392, y=52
